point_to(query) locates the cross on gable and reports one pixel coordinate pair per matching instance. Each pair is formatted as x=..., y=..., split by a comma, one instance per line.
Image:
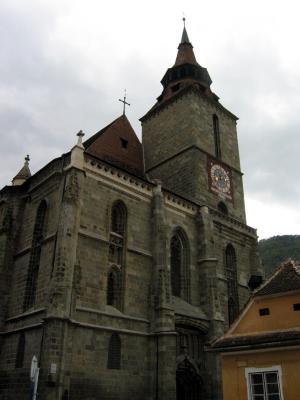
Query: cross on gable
x=124, y=102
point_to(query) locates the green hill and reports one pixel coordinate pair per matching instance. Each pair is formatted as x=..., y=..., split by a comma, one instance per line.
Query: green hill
x=275, y=250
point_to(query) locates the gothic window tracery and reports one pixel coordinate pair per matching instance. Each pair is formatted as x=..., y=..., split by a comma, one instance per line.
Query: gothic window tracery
x=114, y=352
x=179, y=265
x=117, y=234
x=35, y=254
x=190, y=342
x=117, y=239
x=232, y=285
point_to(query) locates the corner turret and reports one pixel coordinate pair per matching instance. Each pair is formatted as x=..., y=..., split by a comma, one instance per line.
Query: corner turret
x=23, y=174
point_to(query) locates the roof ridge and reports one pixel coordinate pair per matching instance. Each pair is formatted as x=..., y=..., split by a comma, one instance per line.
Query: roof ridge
x=231, y=335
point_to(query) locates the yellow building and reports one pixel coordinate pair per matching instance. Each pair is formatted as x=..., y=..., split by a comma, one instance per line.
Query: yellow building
x=261, y=351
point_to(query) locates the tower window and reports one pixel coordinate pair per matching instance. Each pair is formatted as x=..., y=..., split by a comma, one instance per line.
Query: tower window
x=179, y=265
x=124, y=143
x=232, y=286
x=217, y=136
x=223, y=208
x=35, y=254
x=114, y=352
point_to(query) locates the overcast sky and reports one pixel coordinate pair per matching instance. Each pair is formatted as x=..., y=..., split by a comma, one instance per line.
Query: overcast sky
x=65, y=63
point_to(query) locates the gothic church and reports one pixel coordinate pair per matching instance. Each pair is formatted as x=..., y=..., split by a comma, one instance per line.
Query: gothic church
x=121, y=261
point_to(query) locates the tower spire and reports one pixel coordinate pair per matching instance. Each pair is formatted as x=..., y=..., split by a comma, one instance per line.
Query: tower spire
x=184, y=37
x=185, y=53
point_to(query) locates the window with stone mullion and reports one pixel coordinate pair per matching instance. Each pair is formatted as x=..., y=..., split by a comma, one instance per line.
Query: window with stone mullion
x=176, y=266
x=179, y=265
x=35, y=254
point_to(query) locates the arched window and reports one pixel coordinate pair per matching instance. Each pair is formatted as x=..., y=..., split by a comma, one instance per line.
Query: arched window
x=217, y=136
x=118, y=218
x=117, y=234
x=113, y=288
x=114, y=352
x=223, y=208
x=179, y=265
x=232, y=285
x=20, y=351
x=35, y=254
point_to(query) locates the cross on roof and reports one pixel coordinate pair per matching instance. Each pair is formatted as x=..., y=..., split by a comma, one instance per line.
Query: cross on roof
x=124, y=102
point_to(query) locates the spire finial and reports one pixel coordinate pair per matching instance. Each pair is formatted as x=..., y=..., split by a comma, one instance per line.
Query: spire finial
x=80, y=135
x=184, y=38
x=124, y=102
x=27, y=159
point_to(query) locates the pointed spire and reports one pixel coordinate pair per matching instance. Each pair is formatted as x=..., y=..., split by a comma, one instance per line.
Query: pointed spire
x=23, y=174
x=185, y=53
x=184, y=37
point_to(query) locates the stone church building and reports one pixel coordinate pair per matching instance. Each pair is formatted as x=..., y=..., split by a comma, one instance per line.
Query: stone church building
x=121, y=261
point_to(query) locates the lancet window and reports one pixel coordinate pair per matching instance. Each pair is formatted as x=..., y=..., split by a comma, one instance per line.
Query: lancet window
x=179, y=265
x=114, y=352
x=20, y=351
x=217, y=136
x=35, y=254
x=117, y=241
x=232, y=284
x=113, y=287
x=222, y=208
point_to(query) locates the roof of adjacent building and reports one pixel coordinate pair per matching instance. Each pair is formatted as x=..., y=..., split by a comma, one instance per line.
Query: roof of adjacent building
x=285, y=279
x=265, y=339
x=118, y=144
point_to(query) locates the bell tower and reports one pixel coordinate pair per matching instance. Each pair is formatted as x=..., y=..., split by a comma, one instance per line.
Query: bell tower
x=190, y=139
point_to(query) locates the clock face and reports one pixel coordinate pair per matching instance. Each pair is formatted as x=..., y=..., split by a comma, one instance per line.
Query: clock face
x=220, y=178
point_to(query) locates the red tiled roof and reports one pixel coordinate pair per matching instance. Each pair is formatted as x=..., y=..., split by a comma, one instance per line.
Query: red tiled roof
x=118, y=144
x=285, y=279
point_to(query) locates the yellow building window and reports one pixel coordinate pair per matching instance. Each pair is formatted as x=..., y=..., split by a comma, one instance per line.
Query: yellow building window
x=264, y=383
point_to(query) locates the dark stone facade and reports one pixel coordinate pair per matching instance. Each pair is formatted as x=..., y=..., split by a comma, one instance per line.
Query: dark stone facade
x=160, y=342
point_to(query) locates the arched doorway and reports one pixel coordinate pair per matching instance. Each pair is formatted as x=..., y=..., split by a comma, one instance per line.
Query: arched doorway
x=188, y=380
